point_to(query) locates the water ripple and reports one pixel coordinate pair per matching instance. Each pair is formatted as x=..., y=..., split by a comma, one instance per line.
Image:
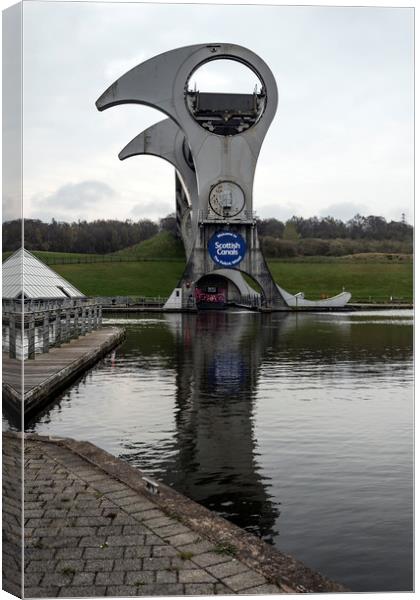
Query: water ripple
x=295, y=427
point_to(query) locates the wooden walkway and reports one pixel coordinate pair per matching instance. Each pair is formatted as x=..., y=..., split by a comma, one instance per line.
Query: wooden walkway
x=48, y=373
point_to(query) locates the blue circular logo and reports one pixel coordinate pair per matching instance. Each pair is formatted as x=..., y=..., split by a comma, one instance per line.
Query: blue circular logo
x=226, y=248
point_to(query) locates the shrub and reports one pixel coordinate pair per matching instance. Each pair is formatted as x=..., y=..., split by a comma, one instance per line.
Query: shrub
x=313, y=247
x=338, y=248
x=275, y=248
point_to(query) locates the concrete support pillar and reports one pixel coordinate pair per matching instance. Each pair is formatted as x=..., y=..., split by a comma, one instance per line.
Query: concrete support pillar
x=82, y=321
x=58, y=328
x=100, y=315
x=76, y=323
x=89, y=318
x=46, y=333
x=31, y=336
x=63, y=326
x=12, y=335
x=68, y=325
x=95, y=316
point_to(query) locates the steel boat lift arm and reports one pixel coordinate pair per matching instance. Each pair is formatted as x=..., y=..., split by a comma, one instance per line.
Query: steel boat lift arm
x=166, y=140
x=162, y=83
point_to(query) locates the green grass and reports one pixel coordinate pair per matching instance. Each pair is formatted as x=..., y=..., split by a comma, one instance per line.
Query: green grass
x=377, y=280
x=225, y=548
x=186, y=555
x=364, y=257
x=162, y=244
x=68, y=571
x=124, y=279
x=157, y=264
x=46, y=256
x=57, y=256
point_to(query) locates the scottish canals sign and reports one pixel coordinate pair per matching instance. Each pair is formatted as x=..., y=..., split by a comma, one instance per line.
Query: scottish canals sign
x=227, y=248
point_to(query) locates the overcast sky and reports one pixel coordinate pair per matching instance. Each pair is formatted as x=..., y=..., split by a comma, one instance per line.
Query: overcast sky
x=340, y=143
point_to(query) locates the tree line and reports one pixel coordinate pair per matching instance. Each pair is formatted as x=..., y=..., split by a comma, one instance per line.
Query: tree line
x=297, y=236
x=331, y=237
x=95, y=237
x=328, y=228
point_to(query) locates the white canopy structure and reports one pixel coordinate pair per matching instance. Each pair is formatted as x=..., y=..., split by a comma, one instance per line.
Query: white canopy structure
x=24, y=274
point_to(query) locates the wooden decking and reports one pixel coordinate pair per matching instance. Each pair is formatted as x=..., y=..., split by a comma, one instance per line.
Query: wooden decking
x=48, y=373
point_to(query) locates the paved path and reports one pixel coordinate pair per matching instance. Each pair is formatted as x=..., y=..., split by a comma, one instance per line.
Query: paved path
x=90, y=535
x=12, y=515
x=93, y=529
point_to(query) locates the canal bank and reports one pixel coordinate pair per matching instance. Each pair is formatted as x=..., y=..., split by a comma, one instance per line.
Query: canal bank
x=51, y=372
x=353, y=307
x=96, y=526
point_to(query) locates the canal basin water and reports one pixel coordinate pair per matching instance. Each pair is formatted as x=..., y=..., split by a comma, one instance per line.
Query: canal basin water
x=297, y=427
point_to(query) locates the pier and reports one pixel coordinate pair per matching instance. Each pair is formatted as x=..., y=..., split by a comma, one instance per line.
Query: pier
x=95, y=526
x=34, y=326
x=53, y=371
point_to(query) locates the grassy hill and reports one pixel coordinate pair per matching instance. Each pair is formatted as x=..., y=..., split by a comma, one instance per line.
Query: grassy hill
x=363, y=257
x=162, y=245
x=153, y=268
x=137, y=278
x=366, y=281
x=55, y=257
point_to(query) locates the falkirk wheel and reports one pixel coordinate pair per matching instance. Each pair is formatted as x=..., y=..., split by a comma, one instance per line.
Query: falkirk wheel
x=224, y=133
x=166, y=140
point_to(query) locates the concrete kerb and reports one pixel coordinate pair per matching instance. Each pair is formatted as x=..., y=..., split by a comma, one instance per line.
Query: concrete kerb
x=290, y=574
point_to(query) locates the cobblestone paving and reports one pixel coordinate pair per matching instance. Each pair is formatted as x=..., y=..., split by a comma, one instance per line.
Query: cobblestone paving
x=12, y=516
x=87, y=534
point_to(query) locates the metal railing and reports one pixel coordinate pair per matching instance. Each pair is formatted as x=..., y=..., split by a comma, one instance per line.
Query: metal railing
x=250, y=301
x=132, y=301
x=244, y=216
x=38, y=305
x=34, y=326
x=381, y=300
x=102, y=258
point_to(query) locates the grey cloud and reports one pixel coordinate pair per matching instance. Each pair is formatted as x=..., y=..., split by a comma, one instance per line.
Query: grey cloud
x=47, y=216
x=396, y=214
x=344, y=210
x=343, y=116
x=280, y=211
x=73, y=196
x=11, y=208
x=153, y=209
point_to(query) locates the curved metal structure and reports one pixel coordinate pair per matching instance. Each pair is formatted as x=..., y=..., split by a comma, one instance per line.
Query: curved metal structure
x=224, y=164
x=224, y=134
x=166, y=140
x=299, y=301
x=161, y=82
